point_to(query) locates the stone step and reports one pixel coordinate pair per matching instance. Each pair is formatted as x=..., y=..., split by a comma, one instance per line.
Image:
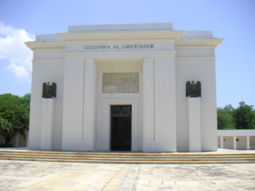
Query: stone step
x=123, y=153
x=126, y=159
x=126, y=156
x=131, y=159
x=134, y=161
x=208, y=158
x=45, y=153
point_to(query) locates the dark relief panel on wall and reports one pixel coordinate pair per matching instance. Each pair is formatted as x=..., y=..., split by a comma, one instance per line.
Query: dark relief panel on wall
x=49, y=90
x=193, y=89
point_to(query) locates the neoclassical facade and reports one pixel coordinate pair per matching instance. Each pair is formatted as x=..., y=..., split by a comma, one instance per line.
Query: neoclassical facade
x=134, y=87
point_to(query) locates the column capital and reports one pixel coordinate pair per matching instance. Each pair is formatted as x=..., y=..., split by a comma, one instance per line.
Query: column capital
x=148, y=60
x=90, y=60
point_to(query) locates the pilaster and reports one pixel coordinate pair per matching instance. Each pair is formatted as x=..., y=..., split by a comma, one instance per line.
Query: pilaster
x=248, y=142
x=234, y=142
x=89, y=95
x=221, y=142
x=46, y=125
x=194, y=124
x=148, y=104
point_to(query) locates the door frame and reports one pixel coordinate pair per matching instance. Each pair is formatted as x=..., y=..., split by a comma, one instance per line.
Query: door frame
x=111, y=117
x=103, y=127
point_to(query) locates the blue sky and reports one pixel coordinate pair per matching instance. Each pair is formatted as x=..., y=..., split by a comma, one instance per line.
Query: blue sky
x=233, y=20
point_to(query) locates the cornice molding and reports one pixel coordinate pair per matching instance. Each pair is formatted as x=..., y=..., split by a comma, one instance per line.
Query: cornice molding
x=45, y=44
x=36, y=60
x=194, y=58
x=134, y=52
x=137, y=35
x=121, y=35
x=198, y=42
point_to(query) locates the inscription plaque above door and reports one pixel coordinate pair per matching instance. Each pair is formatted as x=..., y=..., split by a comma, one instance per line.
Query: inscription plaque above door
x=121, y=82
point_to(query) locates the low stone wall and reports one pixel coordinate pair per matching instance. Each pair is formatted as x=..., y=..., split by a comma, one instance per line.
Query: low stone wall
x=241, y=142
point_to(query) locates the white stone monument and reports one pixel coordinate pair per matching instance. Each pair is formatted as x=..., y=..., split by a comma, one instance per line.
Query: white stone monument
x=123, y=87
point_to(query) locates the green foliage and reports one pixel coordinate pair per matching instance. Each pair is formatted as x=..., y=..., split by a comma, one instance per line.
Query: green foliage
x=242, y=117
x=14, y=113
x=225, y=119
x=229, y=108
x=25, y=100
x=6, y=130
x=253, y=119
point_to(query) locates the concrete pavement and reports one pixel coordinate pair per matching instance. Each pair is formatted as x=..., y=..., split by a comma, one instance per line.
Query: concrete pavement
x=52, y=176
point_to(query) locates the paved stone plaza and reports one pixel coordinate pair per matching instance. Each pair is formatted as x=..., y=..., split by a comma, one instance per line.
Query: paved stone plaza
x=47, y=176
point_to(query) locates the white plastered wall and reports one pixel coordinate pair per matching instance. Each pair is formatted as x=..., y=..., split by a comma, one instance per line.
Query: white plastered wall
x=163, y=136
x=196, y=63
x=47, y=67
x=160, y=109
x=73, y=103
x=104, y=102
x=228, y=142
x=241, y=142
x=163, y=105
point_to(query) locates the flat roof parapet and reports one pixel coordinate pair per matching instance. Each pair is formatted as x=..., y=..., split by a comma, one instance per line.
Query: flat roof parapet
x=197, y=34
x=120, y=27
x=47, y=37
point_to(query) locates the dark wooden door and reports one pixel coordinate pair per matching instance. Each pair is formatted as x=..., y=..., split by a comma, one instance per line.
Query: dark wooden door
x=121, y=127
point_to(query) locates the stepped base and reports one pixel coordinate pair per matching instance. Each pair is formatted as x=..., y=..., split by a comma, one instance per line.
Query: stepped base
x=129, y=157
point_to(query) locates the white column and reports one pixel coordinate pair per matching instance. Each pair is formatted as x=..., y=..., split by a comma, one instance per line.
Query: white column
x=248, y=142
x=221, y=142
x=148, y=104
x=234, y=142
x=46, y=123
x=194, y=124
x=89, y=110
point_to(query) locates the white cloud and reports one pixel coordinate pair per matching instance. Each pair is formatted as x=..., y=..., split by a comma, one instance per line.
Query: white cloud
x=13, y=49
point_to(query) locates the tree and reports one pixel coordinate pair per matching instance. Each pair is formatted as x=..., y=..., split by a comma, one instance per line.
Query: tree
x=244, y=116
x=253, y=121
x=6, y=130
x=14, y=112
x=229, y=108
x=25, y=100
x=225, y=118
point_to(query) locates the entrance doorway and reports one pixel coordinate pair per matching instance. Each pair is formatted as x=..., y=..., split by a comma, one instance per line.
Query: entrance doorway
x=121, y=127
